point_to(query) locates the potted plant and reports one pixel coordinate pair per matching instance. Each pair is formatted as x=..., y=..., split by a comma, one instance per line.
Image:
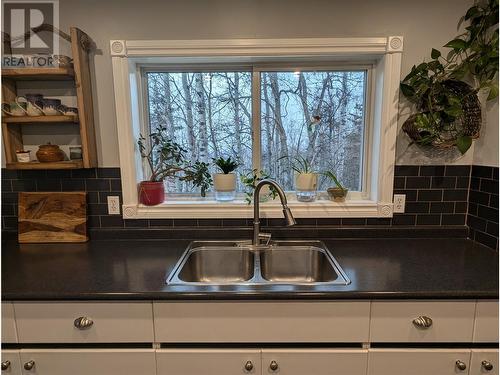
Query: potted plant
x=337, y=193
x=250, y=181
x=199, y=175
x=306, y=179
x=164, y=158
x=225, y=182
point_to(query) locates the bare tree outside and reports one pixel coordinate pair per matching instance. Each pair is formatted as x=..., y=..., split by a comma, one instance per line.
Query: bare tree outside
x=318, y=115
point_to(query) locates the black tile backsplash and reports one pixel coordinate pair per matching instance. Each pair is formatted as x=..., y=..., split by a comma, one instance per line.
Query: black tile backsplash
x=435, y=196
x=482, y=216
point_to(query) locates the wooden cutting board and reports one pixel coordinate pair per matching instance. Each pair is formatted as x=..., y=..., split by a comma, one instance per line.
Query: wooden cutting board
x=52, y=217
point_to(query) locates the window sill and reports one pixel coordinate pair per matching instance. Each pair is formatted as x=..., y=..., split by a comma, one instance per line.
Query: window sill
x=239, y=209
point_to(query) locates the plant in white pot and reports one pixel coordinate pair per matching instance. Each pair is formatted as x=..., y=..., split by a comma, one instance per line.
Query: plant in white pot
x=306, y=179
x=337, y=193
x=225, y=182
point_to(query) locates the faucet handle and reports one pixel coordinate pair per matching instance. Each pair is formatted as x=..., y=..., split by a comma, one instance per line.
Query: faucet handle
x=265, y=237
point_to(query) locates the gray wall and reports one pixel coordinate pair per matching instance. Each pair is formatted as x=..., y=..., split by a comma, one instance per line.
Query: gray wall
x=424, y=24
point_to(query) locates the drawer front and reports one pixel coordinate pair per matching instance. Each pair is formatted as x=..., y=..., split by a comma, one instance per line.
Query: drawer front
x=314, y=361
x=345, y=321
x=395, y=321
x=484, y=361
x=89, y=362
x=208, y=362
x=486, y=324
x=9, y=334
x=11, y=362
x=110, y=322
x=417, y=362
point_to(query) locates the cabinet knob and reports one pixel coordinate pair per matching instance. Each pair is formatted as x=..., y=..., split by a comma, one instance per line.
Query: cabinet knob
x=29, y=365
x=273, y=365
x=83, y=322
x=460, y=365
x=422, y=322
x=249, y=366
x=487, y=365
x=5, y=365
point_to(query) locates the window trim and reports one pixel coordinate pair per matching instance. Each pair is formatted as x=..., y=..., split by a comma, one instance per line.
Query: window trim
x=128, y=56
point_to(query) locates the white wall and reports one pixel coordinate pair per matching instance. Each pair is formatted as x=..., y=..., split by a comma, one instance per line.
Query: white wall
x=424, y=24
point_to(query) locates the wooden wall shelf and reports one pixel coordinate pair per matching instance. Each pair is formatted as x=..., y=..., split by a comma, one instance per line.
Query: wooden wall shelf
x=12, y=127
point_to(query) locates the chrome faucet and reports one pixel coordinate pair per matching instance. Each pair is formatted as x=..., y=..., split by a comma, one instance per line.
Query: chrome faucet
x=289, y=220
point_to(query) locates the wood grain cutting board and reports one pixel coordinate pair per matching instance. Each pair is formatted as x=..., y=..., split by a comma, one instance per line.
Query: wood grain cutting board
x=52, y=217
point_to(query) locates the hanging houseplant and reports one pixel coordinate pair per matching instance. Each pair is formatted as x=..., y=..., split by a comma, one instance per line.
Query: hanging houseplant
x=444, y=90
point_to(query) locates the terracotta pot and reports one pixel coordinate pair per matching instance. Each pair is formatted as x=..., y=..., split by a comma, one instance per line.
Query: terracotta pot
x=337, y=194
x=151, y=193
x=49, y=153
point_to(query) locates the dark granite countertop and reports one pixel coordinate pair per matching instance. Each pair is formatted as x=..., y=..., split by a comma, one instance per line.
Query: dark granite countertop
x=137, y=269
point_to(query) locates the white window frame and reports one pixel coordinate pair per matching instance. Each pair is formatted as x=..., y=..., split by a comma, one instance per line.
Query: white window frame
x=128, y=58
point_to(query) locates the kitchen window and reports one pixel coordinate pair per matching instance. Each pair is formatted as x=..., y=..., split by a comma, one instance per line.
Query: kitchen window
x=331, y=101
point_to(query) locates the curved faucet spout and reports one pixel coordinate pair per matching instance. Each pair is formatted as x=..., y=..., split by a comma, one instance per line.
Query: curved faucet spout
x=289, y=219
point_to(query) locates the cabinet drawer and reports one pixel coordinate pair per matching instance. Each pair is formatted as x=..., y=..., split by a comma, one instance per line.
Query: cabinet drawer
x=110, y=322
x=11, y=360
x=394, y=321
x=486, y=324
x=208, y=361
x=315, y=361
x=89, y=361
x=9, y=334
x=484, y=361
x=417, y=361
x=345, y=321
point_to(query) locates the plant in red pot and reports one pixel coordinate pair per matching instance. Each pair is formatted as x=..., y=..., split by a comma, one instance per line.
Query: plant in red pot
x=165, y=158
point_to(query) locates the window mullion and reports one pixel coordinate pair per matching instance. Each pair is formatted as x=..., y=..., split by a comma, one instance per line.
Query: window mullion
x=256, y=139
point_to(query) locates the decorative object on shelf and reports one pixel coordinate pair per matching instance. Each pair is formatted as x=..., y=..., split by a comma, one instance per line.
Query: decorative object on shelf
x=225, y=182
x=337, y=193
x=250, y=180
x=52, y=217
x=306, y=179
x=75, y=152
x=52, y=107
x=49, y=153
x=23, y=156
x=32, y=109
x=62, y=61
x=14, y=109
x=445, y=90
x=69, y=111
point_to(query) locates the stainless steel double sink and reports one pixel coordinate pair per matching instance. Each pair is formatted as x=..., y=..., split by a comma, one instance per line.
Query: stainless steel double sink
x=240, y=263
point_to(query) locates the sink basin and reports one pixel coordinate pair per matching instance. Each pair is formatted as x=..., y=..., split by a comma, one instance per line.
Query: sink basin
x=239, y=263
x=297, y=264
x=218, y=265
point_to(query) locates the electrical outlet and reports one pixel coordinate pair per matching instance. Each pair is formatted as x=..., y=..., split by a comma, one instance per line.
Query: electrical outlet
x=113, y=205
x=399, y=203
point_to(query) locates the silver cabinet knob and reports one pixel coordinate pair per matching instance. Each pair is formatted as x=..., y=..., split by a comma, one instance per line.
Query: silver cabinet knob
x=29, y=365
x=273, y=365
x=5, y=365
x=83, y=322
x=488, y=366
x=249, y=366
x=460, y=365
x=422, y=322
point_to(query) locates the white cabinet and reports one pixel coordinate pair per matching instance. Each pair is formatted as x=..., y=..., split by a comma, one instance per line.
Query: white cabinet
x=88, y=362
x=422, y=321
x=208, y=361
x=11, y=363
x=9, y=334
x=273, y=321
x=486, y=323
x=314, y=361
x=418, y=361
x=103, y=322
x=484, y=361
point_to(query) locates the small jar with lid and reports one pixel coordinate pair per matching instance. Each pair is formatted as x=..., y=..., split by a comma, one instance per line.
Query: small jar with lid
x=49, y=153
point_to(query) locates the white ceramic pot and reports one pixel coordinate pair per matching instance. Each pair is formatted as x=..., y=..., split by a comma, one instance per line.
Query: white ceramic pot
x=306, y=182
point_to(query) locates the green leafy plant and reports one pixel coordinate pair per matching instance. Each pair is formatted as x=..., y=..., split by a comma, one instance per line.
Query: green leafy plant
x=432, y=88
x=333, y=177
x=299, y=164
x=226, y=165
x=250, y=180
x=165, y=157
x=199, y=175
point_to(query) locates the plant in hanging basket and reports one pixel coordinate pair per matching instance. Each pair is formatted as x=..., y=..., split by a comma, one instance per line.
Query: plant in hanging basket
x=448, y=109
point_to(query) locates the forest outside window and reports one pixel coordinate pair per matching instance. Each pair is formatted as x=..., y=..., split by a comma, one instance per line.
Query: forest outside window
x=318, y=113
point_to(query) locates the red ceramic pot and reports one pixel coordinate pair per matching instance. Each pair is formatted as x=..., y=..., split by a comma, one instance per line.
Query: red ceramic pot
x=151, y=193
